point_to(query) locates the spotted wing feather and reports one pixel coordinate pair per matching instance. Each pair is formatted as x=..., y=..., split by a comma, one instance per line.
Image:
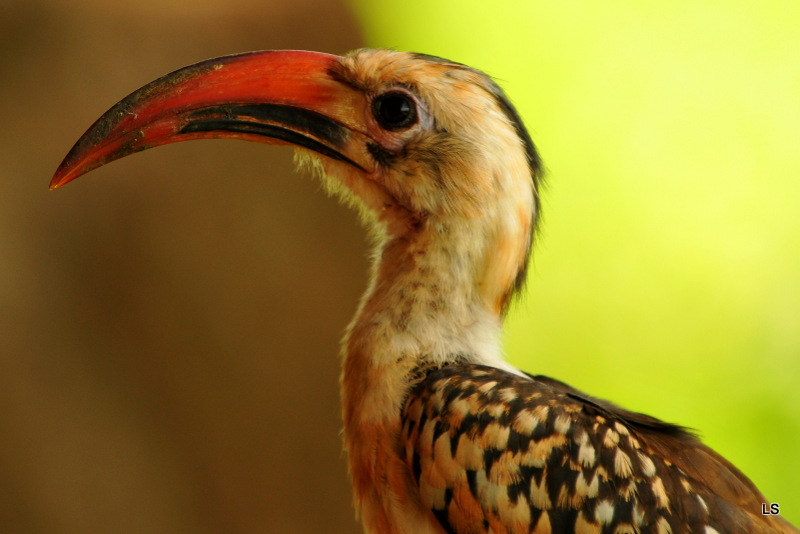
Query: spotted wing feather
x=492, y=452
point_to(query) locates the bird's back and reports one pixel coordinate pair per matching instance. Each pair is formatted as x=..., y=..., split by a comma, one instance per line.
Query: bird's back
x=495, y=452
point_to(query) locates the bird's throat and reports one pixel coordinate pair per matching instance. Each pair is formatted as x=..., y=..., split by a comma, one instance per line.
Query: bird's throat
x=428, y=303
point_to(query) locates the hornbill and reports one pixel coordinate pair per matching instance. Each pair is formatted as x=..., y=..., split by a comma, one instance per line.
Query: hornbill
x=441, y=434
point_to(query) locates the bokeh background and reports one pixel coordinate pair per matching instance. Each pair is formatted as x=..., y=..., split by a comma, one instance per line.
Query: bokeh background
x=169, y=323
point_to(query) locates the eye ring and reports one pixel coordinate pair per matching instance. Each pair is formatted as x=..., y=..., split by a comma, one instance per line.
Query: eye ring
x=395, y=110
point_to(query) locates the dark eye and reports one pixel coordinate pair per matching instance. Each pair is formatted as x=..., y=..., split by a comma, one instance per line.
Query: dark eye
x=394, y=110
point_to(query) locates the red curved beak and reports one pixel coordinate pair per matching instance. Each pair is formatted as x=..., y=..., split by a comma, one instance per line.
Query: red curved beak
x=274, y=97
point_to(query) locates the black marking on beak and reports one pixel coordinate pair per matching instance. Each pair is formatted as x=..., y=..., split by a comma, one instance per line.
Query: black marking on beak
x=295, y=125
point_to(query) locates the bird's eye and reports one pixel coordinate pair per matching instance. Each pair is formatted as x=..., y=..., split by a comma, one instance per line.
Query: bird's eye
x=395, y=110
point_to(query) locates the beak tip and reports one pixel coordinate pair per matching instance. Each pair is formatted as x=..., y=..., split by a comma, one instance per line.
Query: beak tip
x=63, y=175
x=56, y=181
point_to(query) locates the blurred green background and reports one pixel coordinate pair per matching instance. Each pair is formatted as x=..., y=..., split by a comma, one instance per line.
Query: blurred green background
x=667, y=273
x=169, y=324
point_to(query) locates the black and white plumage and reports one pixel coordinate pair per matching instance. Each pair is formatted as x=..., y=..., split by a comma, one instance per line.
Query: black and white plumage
x=535, y=455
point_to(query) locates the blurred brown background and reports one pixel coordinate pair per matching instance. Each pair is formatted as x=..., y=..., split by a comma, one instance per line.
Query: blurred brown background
x=170, y=323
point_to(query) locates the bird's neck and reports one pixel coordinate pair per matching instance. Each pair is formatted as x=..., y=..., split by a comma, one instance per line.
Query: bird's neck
x=436, y=296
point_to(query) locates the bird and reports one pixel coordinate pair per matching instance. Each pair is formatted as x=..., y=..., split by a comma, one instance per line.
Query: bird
x=441, y=433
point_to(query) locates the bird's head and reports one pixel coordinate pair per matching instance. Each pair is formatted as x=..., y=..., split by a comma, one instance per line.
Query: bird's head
x=418, y=142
